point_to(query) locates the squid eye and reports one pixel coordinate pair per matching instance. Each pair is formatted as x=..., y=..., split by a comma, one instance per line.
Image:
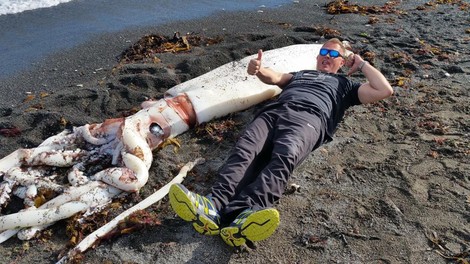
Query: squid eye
x=156, y=129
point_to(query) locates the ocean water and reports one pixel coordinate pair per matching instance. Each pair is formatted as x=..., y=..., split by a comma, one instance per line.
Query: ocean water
x=33, y=29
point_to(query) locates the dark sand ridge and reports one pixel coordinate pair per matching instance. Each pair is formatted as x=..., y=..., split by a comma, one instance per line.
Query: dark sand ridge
x=395, y=176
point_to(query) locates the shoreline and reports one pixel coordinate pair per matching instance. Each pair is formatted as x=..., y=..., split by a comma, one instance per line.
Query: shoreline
x=395, y=175
x=78, y=65
x=31, y=35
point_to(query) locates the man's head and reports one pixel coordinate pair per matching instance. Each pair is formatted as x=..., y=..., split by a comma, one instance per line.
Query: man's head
x=331, y=57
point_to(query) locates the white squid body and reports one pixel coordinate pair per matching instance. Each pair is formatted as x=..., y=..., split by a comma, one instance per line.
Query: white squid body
x=130, y=141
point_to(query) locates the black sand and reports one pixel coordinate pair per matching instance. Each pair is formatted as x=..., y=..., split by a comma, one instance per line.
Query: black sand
x=393, y=187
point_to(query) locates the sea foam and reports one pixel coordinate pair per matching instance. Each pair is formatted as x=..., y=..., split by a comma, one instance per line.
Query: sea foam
x=18, y=6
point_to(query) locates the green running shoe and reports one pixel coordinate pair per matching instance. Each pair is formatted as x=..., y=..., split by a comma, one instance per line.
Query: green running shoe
x=195, y=208
x=251, y=225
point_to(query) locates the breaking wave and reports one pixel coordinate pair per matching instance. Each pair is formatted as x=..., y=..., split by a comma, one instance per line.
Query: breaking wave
x=18, y=6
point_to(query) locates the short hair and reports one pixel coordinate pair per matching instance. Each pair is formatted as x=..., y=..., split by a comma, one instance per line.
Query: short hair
x=339, y=42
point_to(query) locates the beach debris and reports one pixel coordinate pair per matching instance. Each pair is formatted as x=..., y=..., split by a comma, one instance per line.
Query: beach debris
x=10, y=132
x=433, y=4
x=323, y=31
x=171, y=141
x=293, y=188
x=35, y=101
x=147, y=48
x=369, y=56
x=345, y=7
x=373, y=20
x=400, y=81
x=327, y=32
x=218, y=130
x=127, y=215
x=434, y=126
x=439, y=246
x=29, y=97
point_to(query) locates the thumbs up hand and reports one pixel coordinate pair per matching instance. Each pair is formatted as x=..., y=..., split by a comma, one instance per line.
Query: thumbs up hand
x=255, y=64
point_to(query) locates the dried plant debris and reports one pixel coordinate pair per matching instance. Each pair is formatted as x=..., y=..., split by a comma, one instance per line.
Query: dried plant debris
x=147, y=47
x=439, y=246
x=218, y=130
x=78, y=228
x=433, y=4
x=321, y=31
x=345, y=7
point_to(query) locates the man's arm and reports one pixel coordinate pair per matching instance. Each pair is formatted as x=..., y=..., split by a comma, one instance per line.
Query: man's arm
x=377, y=87
x=267, y=75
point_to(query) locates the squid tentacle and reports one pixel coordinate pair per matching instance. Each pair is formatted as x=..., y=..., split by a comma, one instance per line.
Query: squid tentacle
x=72, y=201
x=41, y=216
x=123, y=146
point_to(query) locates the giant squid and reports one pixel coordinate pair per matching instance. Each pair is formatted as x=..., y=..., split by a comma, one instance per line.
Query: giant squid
x=123, y=146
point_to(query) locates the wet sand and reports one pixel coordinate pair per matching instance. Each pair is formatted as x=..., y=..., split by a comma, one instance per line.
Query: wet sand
x=393, y=187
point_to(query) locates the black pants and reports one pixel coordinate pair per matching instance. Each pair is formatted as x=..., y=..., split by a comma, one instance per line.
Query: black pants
x=258, y=168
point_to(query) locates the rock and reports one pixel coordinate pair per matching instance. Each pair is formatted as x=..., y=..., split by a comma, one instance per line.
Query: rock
x=454, y=69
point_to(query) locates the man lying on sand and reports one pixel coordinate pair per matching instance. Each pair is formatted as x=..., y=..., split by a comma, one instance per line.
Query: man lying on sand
x=305, y=116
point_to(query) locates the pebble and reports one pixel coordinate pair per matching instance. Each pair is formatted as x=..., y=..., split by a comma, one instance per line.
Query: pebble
x=455, y=69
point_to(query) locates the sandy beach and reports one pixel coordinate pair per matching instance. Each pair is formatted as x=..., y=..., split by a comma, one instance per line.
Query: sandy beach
x=393, y=186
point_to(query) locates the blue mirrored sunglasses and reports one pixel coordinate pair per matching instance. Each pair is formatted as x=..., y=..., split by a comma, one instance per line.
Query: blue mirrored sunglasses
x=333, y=53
